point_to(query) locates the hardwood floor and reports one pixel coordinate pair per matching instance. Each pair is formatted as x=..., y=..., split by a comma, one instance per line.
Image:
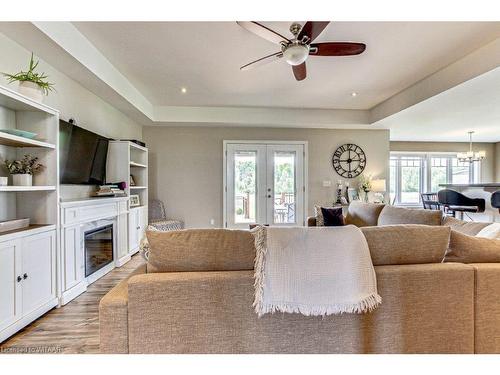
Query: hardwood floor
x=73, y=328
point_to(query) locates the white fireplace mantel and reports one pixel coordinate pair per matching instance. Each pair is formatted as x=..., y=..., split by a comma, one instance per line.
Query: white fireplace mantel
x=76, y=215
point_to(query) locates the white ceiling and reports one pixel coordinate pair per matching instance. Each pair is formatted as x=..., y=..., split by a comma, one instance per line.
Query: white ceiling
x=160, y=58
x=447, y=117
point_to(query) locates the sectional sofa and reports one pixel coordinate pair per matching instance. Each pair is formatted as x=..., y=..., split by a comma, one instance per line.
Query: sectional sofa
x=195, y=295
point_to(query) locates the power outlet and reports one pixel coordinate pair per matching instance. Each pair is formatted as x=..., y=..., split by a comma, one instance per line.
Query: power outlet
x=212, y=221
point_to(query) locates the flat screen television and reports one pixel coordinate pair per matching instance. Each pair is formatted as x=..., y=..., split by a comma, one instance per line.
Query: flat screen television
x=82, y=155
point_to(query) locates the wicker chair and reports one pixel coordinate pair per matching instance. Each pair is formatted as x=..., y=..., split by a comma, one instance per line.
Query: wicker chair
x=158, y=217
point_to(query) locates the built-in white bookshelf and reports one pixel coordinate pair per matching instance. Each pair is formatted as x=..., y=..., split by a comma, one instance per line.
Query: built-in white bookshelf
x=39, y=202
x=128, y=162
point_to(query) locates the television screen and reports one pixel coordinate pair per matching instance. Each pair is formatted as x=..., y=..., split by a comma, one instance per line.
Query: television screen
x=82, y=155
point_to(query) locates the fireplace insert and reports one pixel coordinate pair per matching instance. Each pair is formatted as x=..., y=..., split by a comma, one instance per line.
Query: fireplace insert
x=98, y=249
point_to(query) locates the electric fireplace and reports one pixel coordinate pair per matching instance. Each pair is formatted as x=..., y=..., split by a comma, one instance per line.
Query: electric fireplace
x=98, y=248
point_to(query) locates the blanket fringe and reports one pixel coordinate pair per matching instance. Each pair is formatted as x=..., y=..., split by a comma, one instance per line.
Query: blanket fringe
x=366, y=305
x=259, y=234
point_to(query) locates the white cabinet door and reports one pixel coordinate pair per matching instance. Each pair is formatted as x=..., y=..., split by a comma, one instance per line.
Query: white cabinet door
x=38, y=270
x=133, y=229
x=122, y=239
x=73, y=266
x=143, y=222
x=10, y=287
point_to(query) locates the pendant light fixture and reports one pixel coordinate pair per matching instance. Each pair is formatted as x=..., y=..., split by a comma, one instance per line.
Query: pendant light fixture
x=471, y=156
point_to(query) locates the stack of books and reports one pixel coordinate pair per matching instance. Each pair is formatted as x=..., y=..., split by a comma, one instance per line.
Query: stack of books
x=112, y=190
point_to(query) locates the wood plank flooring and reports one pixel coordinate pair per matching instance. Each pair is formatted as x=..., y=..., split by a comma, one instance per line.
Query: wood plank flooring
x=73, y=328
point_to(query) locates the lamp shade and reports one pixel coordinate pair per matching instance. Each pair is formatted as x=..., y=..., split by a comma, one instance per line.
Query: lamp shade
x=379, y=186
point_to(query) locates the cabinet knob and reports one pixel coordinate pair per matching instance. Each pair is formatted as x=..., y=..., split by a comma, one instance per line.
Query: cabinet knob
x=25, y=276
x=19, y=278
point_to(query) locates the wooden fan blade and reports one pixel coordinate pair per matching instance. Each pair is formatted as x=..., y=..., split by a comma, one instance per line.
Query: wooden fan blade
x=262, y=61
x=336, y=49
x=299, y=71
x=263, y=31
x=312, y=29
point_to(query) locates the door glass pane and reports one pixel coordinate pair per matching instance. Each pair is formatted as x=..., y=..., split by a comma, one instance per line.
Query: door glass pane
x=459, y=172
x=245, y=171
x=284, y=187
x=438, y=173
x=410, y=179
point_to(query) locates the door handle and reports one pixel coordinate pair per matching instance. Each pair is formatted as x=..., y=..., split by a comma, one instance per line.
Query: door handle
x=269, y=196
x=19, y=279
x=25, y=276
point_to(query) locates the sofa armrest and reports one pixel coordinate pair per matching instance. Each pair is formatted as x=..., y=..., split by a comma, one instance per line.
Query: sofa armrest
x=311, y=221
x=487, y=307
x=113, y=317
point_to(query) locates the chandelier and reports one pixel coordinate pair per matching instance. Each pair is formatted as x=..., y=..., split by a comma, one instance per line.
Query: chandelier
x=471, y=156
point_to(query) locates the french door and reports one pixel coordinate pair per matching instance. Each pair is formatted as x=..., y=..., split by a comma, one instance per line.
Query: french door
x=264, y=184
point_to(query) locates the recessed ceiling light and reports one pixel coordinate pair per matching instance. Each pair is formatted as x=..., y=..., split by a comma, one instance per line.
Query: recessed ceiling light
x=184, y=90
x=353, y=94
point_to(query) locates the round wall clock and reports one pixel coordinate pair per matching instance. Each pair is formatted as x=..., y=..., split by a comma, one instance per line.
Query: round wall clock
x=349, y=160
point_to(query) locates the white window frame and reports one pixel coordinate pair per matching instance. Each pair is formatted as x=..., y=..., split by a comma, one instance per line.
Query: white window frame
x=425, y=172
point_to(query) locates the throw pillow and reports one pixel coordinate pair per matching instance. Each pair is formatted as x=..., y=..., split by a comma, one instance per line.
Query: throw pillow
x=468, y=249
x=334, y=214
x=491, y=231
x=332, y=217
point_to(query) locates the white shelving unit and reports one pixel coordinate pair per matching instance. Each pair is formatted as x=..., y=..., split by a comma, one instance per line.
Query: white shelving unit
x=28, y=266
x=127, y=159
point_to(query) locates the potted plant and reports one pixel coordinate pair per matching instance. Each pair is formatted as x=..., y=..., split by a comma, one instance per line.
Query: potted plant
x=31, y=84
x=22, y=171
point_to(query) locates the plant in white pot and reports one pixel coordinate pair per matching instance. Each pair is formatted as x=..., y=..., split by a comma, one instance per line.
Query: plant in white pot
x=22, y=171
x=31, y=84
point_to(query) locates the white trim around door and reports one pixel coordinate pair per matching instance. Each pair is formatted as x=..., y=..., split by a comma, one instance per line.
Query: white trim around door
x=267, y=200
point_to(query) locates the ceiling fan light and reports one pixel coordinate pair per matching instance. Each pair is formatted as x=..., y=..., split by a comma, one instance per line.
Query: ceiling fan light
x=296, y=54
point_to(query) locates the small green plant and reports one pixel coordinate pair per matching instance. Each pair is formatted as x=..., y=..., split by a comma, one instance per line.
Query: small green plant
x=27, y=165
x=39, y=79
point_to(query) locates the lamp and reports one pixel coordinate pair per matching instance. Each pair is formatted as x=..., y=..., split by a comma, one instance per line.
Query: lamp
x=470, y=156
x=379, y=188
x=296, y=53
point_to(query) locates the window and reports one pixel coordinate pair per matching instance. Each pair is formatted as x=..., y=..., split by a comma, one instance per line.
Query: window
x=413, y=174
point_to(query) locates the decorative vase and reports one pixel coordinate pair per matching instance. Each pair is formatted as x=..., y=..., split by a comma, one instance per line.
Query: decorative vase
x=22, y=179
x=31, y=90
x=366, y=196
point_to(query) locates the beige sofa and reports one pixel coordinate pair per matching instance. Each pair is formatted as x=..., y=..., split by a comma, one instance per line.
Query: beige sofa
x=196, y=293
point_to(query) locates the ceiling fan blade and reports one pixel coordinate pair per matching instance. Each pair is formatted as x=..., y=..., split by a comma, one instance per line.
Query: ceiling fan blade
x=312, y=29
x=263, y=31
x=299, y=71
x=336, y=49
x=262, y=61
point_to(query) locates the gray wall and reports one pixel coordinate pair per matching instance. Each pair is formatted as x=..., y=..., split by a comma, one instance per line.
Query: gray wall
x=488, y=173
x=186, y=164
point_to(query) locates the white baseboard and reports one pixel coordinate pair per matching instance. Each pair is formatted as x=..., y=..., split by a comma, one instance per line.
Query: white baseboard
x=120, y=262
x=72, y=293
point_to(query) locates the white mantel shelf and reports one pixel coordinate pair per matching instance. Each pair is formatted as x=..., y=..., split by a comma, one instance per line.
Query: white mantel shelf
x=27, y=188
x=90, y=200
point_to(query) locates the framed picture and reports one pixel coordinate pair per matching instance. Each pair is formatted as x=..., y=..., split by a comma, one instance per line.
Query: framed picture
x=134, y=200
x=352, y=194
x=132, y=180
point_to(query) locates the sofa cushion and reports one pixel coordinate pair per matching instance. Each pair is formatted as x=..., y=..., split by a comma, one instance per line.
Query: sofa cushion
x=469, y=249
x=466, y=227
x=363, y=214
x=407, y=244
x=392, y=215
x=200, y=250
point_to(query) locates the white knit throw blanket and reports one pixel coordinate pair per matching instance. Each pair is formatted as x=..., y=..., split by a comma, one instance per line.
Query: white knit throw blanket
x=313, y=271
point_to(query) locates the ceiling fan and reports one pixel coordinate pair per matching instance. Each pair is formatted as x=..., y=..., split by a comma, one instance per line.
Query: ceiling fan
x=296, y=50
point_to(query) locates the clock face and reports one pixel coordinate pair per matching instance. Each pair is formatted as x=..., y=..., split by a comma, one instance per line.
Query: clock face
x=349, y=160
